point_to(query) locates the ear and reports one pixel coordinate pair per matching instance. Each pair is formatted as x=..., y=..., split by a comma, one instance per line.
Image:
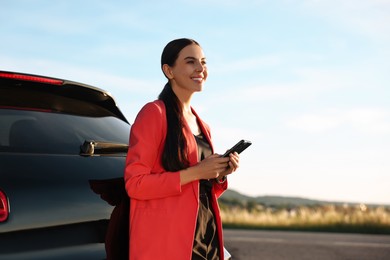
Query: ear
x=167, y=71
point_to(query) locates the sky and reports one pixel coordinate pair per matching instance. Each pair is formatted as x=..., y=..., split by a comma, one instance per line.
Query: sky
x=306, y=81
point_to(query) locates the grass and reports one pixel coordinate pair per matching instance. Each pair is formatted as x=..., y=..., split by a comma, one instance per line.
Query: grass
x=327, y=218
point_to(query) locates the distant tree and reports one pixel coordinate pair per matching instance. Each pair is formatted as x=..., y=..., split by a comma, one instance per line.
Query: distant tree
x=251, y=206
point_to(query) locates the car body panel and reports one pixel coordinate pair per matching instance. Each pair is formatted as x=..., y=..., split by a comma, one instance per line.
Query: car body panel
x=53, y=211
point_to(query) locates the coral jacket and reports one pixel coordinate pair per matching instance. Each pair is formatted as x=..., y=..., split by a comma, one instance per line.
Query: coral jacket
x=162, y=212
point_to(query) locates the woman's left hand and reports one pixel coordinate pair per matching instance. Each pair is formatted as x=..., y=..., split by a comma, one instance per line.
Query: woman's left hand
x=233, y=165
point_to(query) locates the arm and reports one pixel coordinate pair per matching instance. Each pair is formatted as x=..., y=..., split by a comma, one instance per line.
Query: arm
x=145, y=177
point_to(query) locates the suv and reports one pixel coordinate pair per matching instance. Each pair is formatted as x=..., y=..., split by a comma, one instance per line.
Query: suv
x=60, y=142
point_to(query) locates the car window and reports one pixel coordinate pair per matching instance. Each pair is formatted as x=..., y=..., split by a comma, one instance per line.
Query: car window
x=47, y=132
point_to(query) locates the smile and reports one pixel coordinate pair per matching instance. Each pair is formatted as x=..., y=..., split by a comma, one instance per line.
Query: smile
x=197, y=79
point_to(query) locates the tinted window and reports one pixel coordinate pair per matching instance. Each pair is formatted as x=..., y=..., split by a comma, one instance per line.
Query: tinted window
x=45, y=132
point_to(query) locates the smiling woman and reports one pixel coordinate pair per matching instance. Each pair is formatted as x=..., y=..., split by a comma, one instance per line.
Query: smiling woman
x=172, y=175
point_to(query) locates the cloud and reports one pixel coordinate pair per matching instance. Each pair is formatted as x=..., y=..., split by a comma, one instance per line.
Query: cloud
x=365, y=120
x=302, y=84
x=49, y=17
x=370, y=18
x=253, y=63
x=227, y=3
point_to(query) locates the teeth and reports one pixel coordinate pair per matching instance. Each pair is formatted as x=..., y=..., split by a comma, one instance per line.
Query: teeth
x=198, y=79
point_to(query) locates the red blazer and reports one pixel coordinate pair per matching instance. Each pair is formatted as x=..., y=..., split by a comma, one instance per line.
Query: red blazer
x=162, y=212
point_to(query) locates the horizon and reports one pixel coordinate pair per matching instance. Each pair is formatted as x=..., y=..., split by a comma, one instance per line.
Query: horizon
x=308, y=198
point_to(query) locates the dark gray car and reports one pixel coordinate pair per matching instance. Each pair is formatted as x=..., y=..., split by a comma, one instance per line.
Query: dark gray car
x=57, y=139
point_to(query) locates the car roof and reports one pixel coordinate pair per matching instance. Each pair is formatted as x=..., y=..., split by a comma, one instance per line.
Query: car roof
x=30, y=91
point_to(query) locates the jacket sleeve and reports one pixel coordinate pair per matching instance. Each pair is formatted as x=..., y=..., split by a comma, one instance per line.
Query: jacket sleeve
x=144, y=175
x=220, y=188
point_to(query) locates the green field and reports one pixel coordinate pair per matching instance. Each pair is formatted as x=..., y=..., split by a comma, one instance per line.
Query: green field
x=303, y=216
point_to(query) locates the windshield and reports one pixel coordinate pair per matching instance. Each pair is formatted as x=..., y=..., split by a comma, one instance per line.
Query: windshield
x=45, y=132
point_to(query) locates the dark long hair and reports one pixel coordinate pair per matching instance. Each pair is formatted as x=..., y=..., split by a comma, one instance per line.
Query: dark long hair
x=175, y=155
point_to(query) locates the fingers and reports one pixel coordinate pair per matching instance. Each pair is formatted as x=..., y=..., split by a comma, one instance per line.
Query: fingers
x=212, y=166
x=216, y=166
x=234, y=161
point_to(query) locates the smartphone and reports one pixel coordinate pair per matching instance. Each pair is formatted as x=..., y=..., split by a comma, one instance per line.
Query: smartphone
x=238, y=147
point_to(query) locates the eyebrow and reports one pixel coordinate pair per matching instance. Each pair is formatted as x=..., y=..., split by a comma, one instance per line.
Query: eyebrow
x=193, y=58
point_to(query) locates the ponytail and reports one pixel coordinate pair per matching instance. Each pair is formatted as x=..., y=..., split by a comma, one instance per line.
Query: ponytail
x=174, y=156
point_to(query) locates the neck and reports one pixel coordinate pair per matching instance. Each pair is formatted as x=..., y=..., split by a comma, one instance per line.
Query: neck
x=187, y=108
x=185, y=99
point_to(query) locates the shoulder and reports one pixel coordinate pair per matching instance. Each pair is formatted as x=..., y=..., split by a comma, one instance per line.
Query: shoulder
x=151, y=119
x=152, y=109
x=156, y=106
x=151, y=115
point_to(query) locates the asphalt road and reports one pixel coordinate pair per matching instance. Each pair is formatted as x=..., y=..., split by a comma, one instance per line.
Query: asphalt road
x=275, y=245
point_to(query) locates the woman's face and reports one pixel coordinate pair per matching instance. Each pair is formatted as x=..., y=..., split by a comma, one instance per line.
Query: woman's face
x=189, y=71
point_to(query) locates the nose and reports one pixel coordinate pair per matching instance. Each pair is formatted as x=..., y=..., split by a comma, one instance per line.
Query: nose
x=200, y=67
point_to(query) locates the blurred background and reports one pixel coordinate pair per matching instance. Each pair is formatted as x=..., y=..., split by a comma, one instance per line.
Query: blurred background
x=306, y=81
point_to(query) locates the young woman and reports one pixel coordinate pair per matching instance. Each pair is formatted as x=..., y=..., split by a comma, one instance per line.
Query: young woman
x=172, y=175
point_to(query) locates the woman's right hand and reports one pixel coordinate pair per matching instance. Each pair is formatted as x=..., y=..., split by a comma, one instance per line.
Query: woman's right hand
x=209, y=168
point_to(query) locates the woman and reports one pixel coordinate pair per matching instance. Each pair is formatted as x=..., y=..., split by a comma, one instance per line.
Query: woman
x=172, y=175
